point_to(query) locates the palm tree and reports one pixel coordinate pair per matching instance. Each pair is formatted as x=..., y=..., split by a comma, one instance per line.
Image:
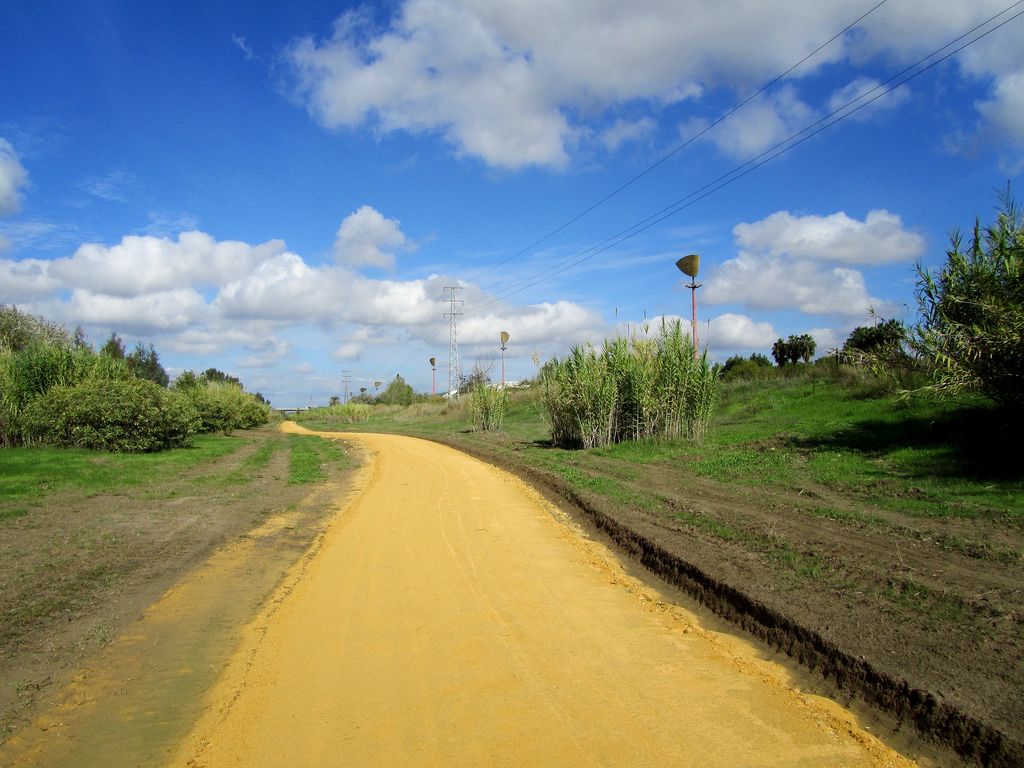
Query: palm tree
x=780, y=351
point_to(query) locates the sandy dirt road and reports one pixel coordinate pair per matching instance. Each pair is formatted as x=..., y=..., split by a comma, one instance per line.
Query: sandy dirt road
x=451, y=618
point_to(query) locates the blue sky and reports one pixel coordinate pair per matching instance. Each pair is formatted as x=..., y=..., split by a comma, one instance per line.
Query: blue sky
x=284, y=192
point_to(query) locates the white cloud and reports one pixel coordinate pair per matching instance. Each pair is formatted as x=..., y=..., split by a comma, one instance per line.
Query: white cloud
x=366, y=238
x=25, y=280
x=244, y=47
x=1005, y=109
x=732, y=332
x=828, y=339
x=200, y=297
x=162, y=311
x=141, y=265
x=874, y=103
x=772, y=283
x=5, y=243
x=267, y=352
x=113, y=187
x=622, y=131
x=13, y=177
x=764, y=122
x=348, y=351
x=879, y=239
x=515, y=82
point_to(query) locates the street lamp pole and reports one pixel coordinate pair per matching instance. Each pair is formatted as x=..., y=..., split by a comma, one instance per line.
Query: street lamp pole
x=689, y=266
x=504, y=337
x=433, y=376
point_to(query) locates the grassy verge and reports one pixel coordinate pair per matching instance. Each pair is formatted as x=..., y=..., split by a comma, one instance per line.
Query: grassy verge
x=311, y=457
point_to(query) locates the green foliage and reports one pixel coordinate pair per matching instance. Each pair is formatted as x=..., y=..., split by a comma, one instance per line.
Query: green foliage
x=349, y=413
x=489, y=405
x=755, y=368
x=125, y=415
x=213, y=375
x=794, y=349
x=972, y=313
x=881, y=349
x=397, y=393
x=633, y=389
x=28, y=373
x=223, y=406
x=145, y=364
x=19, y=330
x=113, y=347
x=870, y=338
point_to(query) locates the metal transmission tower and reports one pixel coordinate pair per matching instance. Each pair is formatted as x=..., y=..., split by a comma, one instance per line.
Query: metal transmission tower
x=346, y=377
x=451, y=293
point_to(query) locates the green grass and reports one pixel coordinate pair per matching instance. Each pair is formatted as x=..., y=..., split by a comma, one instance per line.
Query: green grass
x=27, y=474
x=309, y=457
x=921, y=459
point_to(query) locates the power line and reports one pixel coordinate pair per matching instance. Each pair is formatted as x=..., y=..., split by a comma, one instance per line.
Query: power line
x=765, y=157
x=656, y=164
x=680, y=147
x=749, y=166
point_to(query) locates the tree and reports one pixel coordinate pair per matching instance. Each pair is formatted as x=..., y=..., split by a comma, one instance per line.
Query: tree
x=801, y=348
x=145, y=364
x=186, y=380
x=479, y=377
x=971, y=326
x=335, y=400
x=866, y=339
x=113, y=347
x=397, y=392
x=214, y=375
x=757, y=366
x=780, y=352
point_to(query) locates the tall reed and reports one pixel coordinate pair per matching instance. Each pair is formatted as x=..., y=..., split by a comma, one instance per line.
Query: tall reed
x=489, y=406
x=631, y=389
x=347, y=413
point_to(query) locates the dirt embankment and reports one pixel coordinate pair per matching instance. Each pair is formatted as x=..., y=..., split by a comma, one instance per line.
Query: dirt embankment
x=928, y=633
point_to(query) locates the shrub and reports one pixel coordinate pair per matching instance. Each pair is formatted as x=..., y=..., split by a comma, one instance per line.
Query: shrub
x=29, y=372
x=224, y=406
x=126, y=415
x=972, y=313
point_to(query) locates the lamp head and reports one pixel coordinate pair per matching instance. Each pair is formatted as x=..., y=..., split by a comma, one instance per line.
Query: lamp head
x=689, y=265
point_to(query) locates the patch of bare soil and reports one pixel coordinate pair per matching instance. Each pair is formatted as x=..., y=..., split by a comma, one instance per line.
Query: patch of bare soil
x=921, y=618
x=80, y=572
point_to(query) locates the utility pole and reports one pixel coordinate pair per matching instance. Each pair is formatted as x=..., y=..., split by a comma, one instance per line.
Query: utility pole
x=346, y=377
x=689, y=266
x=503, y=337
x=451, y=292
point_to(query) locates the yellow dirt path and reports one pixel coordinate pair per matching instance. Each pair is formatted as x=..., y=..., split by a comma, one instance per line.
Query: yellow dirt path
x=450, y=619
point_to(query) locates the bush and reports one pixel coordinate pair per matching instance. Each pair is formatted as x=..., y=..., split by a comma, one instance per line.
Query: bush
x=755, y=368
x=225, y=407
x=126, y=415
x=972, y=313
x=31, y=371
